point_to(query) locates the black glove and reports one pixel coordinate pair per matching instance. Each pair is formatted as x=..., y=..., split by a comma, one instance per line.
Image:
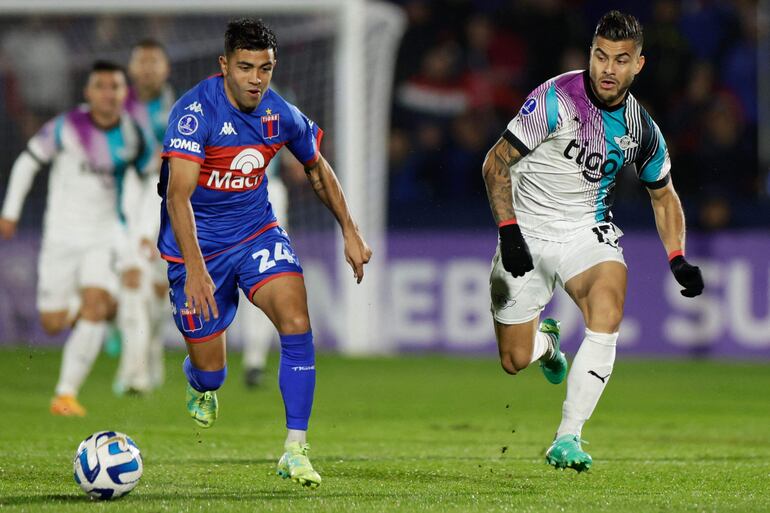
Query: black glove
x=687, y=275
x=514, y=251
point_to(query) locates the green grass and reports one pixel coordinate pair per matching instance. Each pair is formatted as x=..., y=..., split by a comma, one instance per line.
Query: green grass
x=404, y=434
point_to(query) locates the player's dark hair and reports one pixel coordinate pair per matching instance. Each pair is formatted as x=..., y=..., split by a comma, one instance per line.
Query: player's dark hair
x=617, y=26
x=249, y=34
x=101, y=65
x=149, y=43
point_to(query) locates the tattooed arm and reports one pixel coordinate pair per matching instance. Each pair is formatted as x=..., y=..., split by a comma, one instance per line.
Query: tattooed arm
x=514, y=252
x=328, y=189
x=497, y=177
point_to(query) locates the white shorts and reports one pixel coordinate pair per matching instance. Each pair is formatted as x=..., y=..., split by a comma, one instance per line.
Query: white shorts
x=518, y=300
x=64, y=270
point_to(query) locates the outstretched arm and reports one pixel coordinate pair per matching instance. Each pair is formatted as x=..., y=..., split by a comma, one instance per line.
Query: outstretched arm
x=22, y=175
x=669, y=219
x=328, y=189
x=514, y=251
x=199, y=287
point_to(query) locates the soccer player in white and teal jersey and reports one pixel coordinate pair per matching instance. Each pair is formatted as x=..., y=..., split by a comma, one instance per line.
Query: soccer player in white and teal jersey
x=91, y=150
x=550, y=181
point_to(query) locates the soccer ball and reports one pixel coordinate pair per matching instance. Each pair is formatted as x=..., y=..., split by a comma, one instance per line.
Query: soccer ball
x=107, y=465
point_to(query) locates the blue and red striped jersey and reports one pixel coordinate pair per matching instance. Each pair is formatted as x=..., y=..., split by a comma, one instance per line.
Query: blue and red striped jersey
x=233, y=147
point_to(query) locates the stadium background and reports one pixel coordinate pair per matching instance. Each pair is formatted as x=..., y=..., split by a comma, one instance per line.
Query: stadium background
x=461, y=70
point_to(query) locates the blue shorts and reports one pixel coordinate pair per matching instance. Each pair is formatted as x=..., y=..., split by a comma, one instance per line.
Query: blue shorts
x=248, y=266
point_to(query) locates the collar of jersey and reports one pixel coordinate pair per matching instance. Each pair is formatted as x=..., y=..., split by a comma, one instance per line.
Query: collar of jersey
x=596, y=101
x=223, y=94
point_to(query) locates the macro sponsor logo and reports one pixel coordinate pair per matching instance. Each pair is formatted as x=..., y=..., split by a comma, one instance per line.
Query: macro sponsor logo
x=184, y=144
x=593, y=161
x=238, y=178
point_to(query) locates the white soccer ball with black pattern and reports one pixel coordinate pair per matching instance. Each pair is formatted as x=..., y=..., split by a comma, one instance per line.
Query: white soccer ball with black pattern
x=107, y=465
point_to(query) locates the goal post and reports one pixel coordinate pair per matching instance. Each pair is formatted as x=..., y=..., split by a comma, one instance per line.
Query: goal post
x=363, y=38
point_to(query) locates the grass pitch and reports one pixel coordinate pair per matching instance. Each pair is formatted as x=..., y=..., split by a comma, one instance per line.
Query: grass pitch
x=421, y=433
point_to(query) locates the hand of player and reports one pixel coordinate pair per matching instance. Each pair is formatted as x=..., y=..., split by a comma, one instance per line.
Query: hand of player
x=199, y=290
x=148, y=249
x=357, y=253
x=514, y=251
x=7, y=228
x=688, y=276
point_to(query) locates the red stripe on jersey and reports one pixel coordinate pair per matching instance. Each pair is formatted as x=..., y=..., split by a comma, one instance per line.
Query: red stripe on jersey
x=236, y=168
x=190, y=322
x=180, y=260
x=203, y=339
x=180, y=155
x=260, y=283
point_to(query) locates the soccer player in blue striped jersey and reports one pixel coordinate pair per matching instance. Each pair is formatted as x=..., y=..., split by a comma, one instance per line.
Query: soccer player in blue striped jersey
x=550, y=181
x=218, y=231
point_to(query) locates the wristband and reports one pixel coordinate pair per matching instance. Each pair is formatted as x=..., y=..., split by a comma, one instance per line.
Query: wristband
x=676, y=253
x=507, y=222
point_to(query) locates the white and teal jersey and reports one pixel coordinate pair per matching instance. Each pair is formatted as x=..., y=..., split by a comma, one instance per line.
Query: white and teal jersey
x=152, y=115
x=89, y=165
x=573, y=148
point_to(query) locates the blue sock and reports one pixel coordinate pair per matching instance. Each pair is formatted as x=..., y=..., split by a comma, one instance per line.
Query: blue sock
x=203, y=381
x=296, y=378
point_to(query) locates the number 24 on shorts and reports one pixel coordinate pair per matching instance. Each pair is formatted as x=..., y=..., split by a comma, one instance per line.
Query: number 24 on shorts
x=265, y=262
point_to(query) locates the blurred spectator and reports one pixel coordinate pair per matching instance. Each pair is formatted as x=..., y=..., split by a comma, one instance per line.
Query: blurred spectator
x=38, y=62
x=437, y=90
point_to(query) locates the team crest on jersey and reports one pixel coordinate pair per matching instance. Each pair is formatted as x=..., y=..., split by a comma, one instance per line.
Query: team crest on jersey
x=626, y=142
x=191, y=321
x=195, y=107
x=270, y=124
x=188, y=124
x=529, y=106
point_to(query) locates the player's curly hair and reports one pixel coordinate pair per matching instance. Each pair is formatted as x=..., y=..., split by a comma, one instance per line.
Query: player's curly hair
x=249, y=34
x=618, y=26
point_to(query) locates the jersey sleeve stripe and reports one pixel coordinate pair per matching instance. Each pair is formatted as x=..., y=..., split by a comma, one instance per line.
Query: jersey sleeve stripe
x=552, y=108
x=516, y=143
x=180, y=155
x=658, y=184
x=34, y=156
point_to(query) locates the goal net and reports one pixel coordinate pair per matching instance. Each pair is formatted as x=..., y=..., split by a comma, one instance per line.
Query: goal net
x=335, y=62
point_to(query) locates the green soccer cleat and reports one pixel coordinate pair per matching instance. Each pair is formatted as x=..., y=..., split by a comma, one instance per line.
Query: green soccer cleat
x=295, y=464
x=203, y=406
x=554, y=368
x=566, y=452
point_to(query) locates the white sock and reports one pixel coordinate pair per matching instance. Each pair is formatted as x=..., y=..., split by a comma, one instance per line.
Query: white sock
x=80, y=351
x=541, y=346
x=296, y=435
x=134, y=324
x=258, y=333
x=159, y=314
x=587, y=378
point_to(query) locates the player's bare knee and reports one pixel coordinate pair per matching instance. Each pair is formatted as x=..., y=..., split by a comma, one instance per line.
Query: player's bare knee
x=53, y=324
x=606, y=320
x=506, y=362
x=294, y=324
x=96, y=306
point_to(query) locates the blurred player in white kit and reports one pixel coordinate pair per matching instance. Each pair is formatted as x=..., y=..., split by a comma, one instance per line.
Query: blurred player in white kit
x=91, y=149
x=143, y=308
